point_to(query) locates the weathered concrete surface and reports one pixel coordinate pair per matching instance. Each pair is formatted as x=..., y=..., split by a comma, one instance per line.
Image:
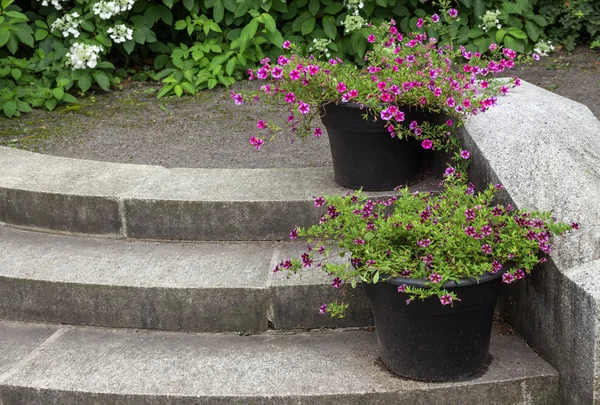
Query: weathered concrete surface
x=18, y=340
x=194, y=286
x=545, y=150
x=157, y=203
x=93, y=366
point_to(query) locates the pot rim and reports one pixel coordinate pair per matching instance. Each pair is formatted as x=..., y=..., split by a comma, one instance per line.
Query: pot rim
x=463, y=282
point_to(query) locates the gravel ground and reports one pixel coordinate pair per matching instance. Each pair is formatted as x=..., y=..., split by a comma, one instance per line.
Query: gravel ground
x=132, y=126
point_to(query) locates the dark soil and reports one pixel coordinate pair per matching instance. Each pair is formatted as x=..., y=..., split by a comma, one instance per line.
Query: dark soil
x=209, y=130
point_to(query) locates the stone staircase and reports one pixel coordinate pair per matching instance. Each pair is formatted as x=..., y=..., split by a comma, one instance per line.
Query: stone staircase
x=124, y=284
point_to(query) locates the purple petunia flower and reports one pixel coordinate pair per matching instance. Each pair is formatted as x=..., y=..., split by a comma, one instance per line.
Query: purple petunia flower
x=303, y=107
x=323, y=309
x=519, y=274
x=470, y=214
x=449, y=171
x=276, y=72
x=371, y=38
x=486, y=248
x=496, y=266
x=435, y=278
x=424, y=242
x=286, y=44
x=419, y=22
x=336, y=283
x=290, y=98
x=465, y=154
x=256, y=142
x=237, y=98
x=453, y=13
x=402, y=288
x=470, y=231
x=507, y=278
x=318, y=132
x=261, y=124
x=359, y=241
x=446, y=299
x=294, y=75
x=294, y=234
x=435, y=18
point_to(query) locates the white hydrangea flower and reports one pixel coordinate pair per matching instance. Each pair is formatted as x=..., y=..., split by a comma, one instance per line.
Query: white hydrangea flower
x=120, y=33
x=490, y=20
x=106, y=9
x=543, y=48
x=67, y=24
x=55, y=3
x=353, y=23
x=320, y=45
x=83, y=56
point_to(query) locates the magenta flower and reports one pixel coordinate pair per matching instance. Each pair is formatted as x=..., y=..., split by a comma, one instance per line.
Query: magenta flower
x=371, y=38
x=294, y=234
x=237, y=98
x=286, y=44
x=497, y=211
x=574, y=225
x=262, y=73
x=493, y=47
x=323, y=309
x=446, y=299
x=486, y=248
x=418, y=131
x=256, y=142
x=465, y=154
x=282, y=60
x=507, y=278
x=399, y=116
x=294, y=75
x=509, y=53
x=504, y=89
x=341, y=87
x=496, y=266
x=336, y=283
x=435, y=18
x=386, y=115
x=276, y=72
x=306, y=260
x=453, y=13
x=419, y=22
x=450, y=102
x=318, y=132
x=519, y=274
x=486, y=230
x=427, y=144
x=319, y=201
x=424, y=242
x=313, y=69
x=470, y=214
x=435, y=278
x=402, y=288
x=303, y=107
x=290, y=98
x=359, y=242
x=449, y=171
x=261, y=124
x=290, y=118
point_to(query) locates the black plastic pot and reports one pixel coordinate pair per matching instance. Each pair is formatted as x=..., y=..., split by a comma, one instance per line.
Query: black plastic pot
x=365, y=155
x=428, y=341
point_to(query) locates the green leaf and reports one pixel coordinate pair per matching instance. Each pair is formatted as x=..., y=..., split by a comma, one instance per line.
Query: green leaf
x=16, y=73
x=9, y=108
x=243, y=7
x=314, y=6
x=500, y=35
x=12, y=44
x=231, y=64
x=517, y=33
x=102, y=80
x=541, y=21
x=382, y=3
x=168, y=3
x=160, y=61
x=58, y=93
x=479, y=8
x=63, y=82
x=23, y=106
x=269, y=22
x=212, y=83
x=180, y=25
x=511, y=8
x=4, y=35
x=476, y=33
x=50, y=104
x=67, y=98
x=376, y=277
x=218, y=11
x=329, y=26
x=178, y=90
x=138, y=36
x=165, y=90
x=189, y=87
x=248, y=33
x=532, y=31
x=85, y=82
x=308, y=26
x=275, y=38
x=129, y=46
x=189, y=4
x=513, y=43
x=40, y=34
x=24, y=36
x=334, y=8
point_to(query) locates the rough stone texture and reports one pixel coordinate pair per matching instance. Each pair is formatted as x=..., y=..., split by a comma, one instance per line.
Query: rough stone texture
x=92, y=366
x=18, y=340
x=173, y=286
x=545, y=150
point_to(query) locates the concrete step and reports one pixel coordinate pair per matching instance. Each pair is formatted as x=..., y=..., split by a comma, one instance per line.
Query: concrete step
x=152, y=202
x=78, y=365
x=192, y=286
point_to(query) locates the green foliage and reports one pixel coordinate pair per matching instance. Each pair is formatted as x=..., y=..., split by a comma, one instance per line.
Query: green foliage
x=574, y=22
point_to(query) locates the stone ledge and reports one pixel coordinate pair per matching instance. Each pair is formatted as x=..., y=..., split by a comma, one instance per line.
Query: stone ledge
x=152, y=202
x=545, y=149
x=98, y=366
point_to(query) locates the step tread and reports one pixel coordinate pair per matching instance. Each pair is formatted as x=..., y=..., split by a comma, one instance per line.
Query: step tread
x=334, y=364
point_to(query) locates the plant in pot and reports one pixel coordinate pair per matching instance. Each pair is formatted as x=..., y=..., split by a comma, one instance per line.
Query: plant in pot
x=431, y=265
x=381, y=119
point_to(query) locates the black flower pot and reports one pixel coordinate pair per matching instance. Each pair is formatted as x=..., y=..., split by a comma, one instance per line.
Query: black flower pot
x=428, y=341
x=363, y=152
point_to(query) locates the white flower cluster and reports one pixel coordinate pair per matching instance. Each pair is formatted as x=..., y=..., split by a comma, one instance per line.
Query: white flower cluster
x=543, y=48
x=109, y=8
x=56, y=3
x=320, y=45
x=353, y=6
x=120, y=33
x=490, y=20
x=353, y=23
x=82, y=56
x=67, y=24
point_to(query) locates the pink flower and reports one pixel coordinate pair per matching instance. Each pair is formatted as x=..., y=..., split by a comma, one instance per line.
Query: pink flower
x=323, y=309
x=419, y=22
x=504, y=89
x=386, y=115
x=318, y=132
x=535, y=56
x=446, y=299
x=509, y=53
x=435, y=278
x=303, y=107
x=336, y=283
x=427, y=144
x=286, y=44
x=435, y=18
x=261, y=124
x=449, y=123
x=276, y=72
x=399, y=116
x=282, y=60
x=453, y=13
x=359, y=242
x=353, y=93
x=294, y=234
x=237, y=98
x=256, y=142
x=262, y=73
x=519, y=274
x=493, y=47
x=290, y=98
x=313, y=69
x=450, y=102
x=371, y=38
x=294, y=75
x=507, y=278
x=319, y=201
x=402, y=288
x=290, y=118
x=486, y=248
x=465, y=154
x=341, y=87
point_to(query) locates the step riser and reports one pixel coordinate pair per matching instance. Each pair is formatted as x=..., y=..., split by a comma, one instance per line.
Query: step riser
x=542, y=391
x=197, y=310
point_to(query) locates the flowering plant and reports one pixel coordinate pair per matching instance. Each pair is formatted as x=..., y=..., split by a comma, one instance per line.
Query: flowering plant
x=452, y=235
x=402, y=72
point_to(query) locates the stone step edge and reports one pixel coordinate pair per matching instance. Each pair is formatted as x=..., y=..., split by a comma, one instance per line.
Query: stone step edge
x=74, y=365
x=151, y=202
